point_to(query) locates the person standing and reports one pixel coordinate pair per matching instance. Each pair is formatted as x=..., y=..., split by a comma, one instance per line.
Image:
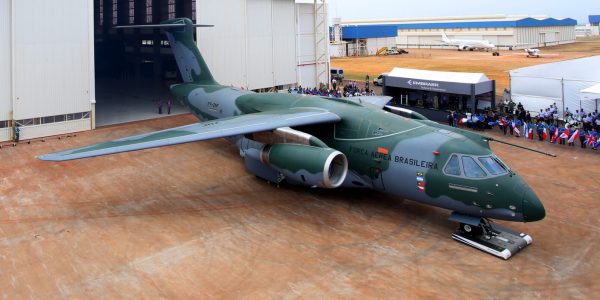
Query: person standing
x=582, y=137
x=160, y=107
x=540, y=130
x=169, y=104
x=17, y=131
x=455, y=118
x=450, y=119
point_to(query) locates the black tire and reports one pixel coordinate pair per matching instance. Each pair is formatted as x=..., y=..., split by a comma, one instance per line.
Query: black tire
x=470, y=229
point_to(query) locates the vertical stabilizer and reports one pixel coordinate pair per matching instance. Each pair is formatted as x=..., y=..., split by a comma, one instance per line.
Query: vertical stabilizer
x=192, y=66
x=180, y=32
x=445, y=38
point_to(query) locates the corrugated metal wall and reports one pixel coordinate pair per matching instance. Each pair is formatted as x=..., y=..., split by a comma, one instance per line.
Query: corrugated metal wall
x=52, y=65
x=284, y=43
x=545, y=36
x=374, y=44
x=252, y=44
x=519, y=37
x=305, y=18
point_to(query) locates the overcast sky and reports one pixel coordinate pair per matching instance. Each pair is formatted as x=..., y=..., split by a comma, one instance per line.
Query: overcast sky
x=394, y=9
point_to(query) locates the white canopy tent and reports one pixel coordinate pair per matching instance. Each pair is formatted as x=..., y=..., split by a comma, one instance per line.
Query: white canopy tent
x=456, y=77
x=591, y=94
x=562, y=83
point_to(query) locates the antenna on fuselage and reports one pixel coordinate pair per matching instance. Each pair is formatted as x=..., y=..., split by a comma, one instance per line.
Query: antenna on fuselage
x=519, y=146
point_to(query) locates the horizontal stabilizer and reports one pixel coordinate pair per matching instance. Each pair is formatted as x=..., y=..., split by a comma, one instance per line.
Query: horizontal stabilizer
x=219, y=128
x=379, y=101
x=177, y=25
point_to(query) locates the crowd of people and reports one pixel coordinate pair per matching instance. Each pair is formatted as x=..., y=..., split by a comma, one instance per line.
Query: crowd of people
x=351, y=89
x=581, y=126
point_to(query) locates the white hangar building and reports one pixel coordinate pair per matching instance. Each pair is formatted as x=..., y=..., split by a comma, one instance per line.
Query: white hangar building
x=64, y=68
x=507, y=32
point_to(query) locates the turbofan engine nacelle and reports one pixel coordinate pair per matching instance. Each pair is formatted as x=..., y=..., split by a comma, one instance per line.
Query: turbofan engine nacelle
x=307, y=165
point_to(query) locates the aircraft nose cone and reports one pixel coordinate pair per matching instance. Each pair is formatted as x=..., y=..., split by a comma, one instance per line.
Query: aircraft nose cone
x=533, y=209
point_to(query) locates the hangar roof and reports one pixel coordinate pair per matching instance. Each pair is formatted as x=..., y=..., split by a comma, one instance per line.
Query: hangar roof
x=458, y=77
x=526, y=22
x=594, y=19
x=465, y=22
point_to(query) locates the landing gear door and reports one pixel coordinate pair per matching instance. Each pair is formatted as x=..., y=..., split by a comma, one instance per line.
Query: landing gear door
x=377, y=179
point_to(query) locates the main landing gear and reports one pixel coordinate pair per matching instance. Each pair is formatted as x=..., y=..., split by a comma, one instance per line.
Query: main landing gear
x=486, y=236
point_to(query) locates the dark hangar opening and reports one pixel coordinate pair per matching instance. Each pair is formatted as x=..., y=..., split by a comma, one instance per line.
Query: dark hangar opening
x=135, y=67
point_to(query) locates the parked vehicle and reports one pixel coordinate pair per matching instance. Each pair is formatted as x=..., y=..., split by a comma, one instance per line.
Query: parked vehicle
x=379, y=80
x=337, y=74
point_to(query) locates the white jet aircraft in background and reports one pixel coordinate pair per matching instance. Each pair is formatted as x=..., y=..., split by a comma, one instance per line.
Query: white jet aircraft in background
x=531, y=52
x=468, y=44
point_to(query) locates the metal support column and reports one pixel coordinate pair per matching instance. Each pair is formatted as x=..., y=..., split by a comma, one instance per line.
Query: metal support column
x=562, y=90
x=493, y=104
x=13, y=93
x=322, y=74
x=472, y=101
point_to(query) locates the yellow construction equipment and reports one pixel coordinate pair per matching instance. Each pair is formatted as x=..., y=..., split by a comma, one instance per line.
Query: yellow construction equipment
x=382, y=50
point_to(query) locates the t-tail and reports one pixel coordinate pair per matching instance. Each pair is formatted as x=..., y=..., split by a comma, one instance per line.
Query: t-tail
x=445, y=38
x=180, y=33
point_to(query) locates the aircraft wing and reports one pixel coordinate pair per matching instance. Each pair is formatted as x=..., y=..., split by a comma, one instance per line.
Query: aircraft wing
x=219, y=128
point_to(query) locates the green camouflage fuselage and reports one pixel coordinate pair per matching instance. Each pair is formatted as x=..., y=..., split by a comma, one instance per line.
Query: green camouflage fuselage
x=386, y=152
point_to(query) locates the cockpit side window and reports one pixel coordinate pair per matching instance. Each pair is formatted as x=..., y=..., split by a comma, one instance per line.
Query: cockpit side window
x=492, y=166
x=453, y=166
x=472, y=169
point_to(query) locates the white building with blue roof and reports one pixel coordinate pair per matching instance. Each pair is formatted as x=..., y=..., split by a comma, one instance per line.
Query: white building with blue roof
x=507, y=32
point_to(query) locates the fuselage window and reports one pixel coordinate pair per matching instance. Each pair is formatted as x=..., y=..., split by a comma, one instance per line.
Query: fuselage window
x=453, y=167
x=492, y=165
x=472, y=169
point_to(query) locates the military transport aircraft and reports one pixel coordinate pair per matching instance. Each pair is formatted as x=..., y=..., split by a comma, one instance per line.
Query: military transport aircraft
x=468, y=44
x=344, y=143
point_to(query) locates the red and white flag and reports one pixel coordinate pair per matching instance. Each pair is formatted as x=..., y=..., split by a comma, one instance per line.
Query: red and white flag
x=565, y=134
x=574, y=136
x=545, y=133
x=530, y=133
x=516, y=129
x=554, y=136
x=463, y=120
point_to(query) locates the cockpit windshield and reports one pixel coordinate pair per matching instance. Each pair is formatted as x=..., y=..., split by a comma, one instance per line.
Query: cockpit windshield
x=493, y=166
x=475, y=166
x=472, y=169
x=453, y=166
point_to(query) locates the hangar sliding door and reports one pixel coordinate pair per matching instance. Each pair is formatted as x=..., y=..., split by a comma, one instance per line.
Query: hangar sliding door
x=53, y=71
x=5, y=70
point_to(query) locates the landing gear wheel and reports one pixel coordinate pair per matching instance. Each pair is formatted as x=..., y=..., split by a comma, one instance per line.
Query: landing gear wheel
x=470, y=229
x=467, y=228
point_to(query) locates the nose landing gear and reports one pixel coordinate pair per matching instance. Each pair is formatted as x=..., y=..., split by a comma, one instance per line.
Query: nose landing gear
x=486, y=236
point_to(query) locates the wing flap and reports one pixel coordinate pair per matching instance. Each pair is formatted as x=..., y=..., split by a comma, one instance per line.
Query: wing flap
x=219, y=128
